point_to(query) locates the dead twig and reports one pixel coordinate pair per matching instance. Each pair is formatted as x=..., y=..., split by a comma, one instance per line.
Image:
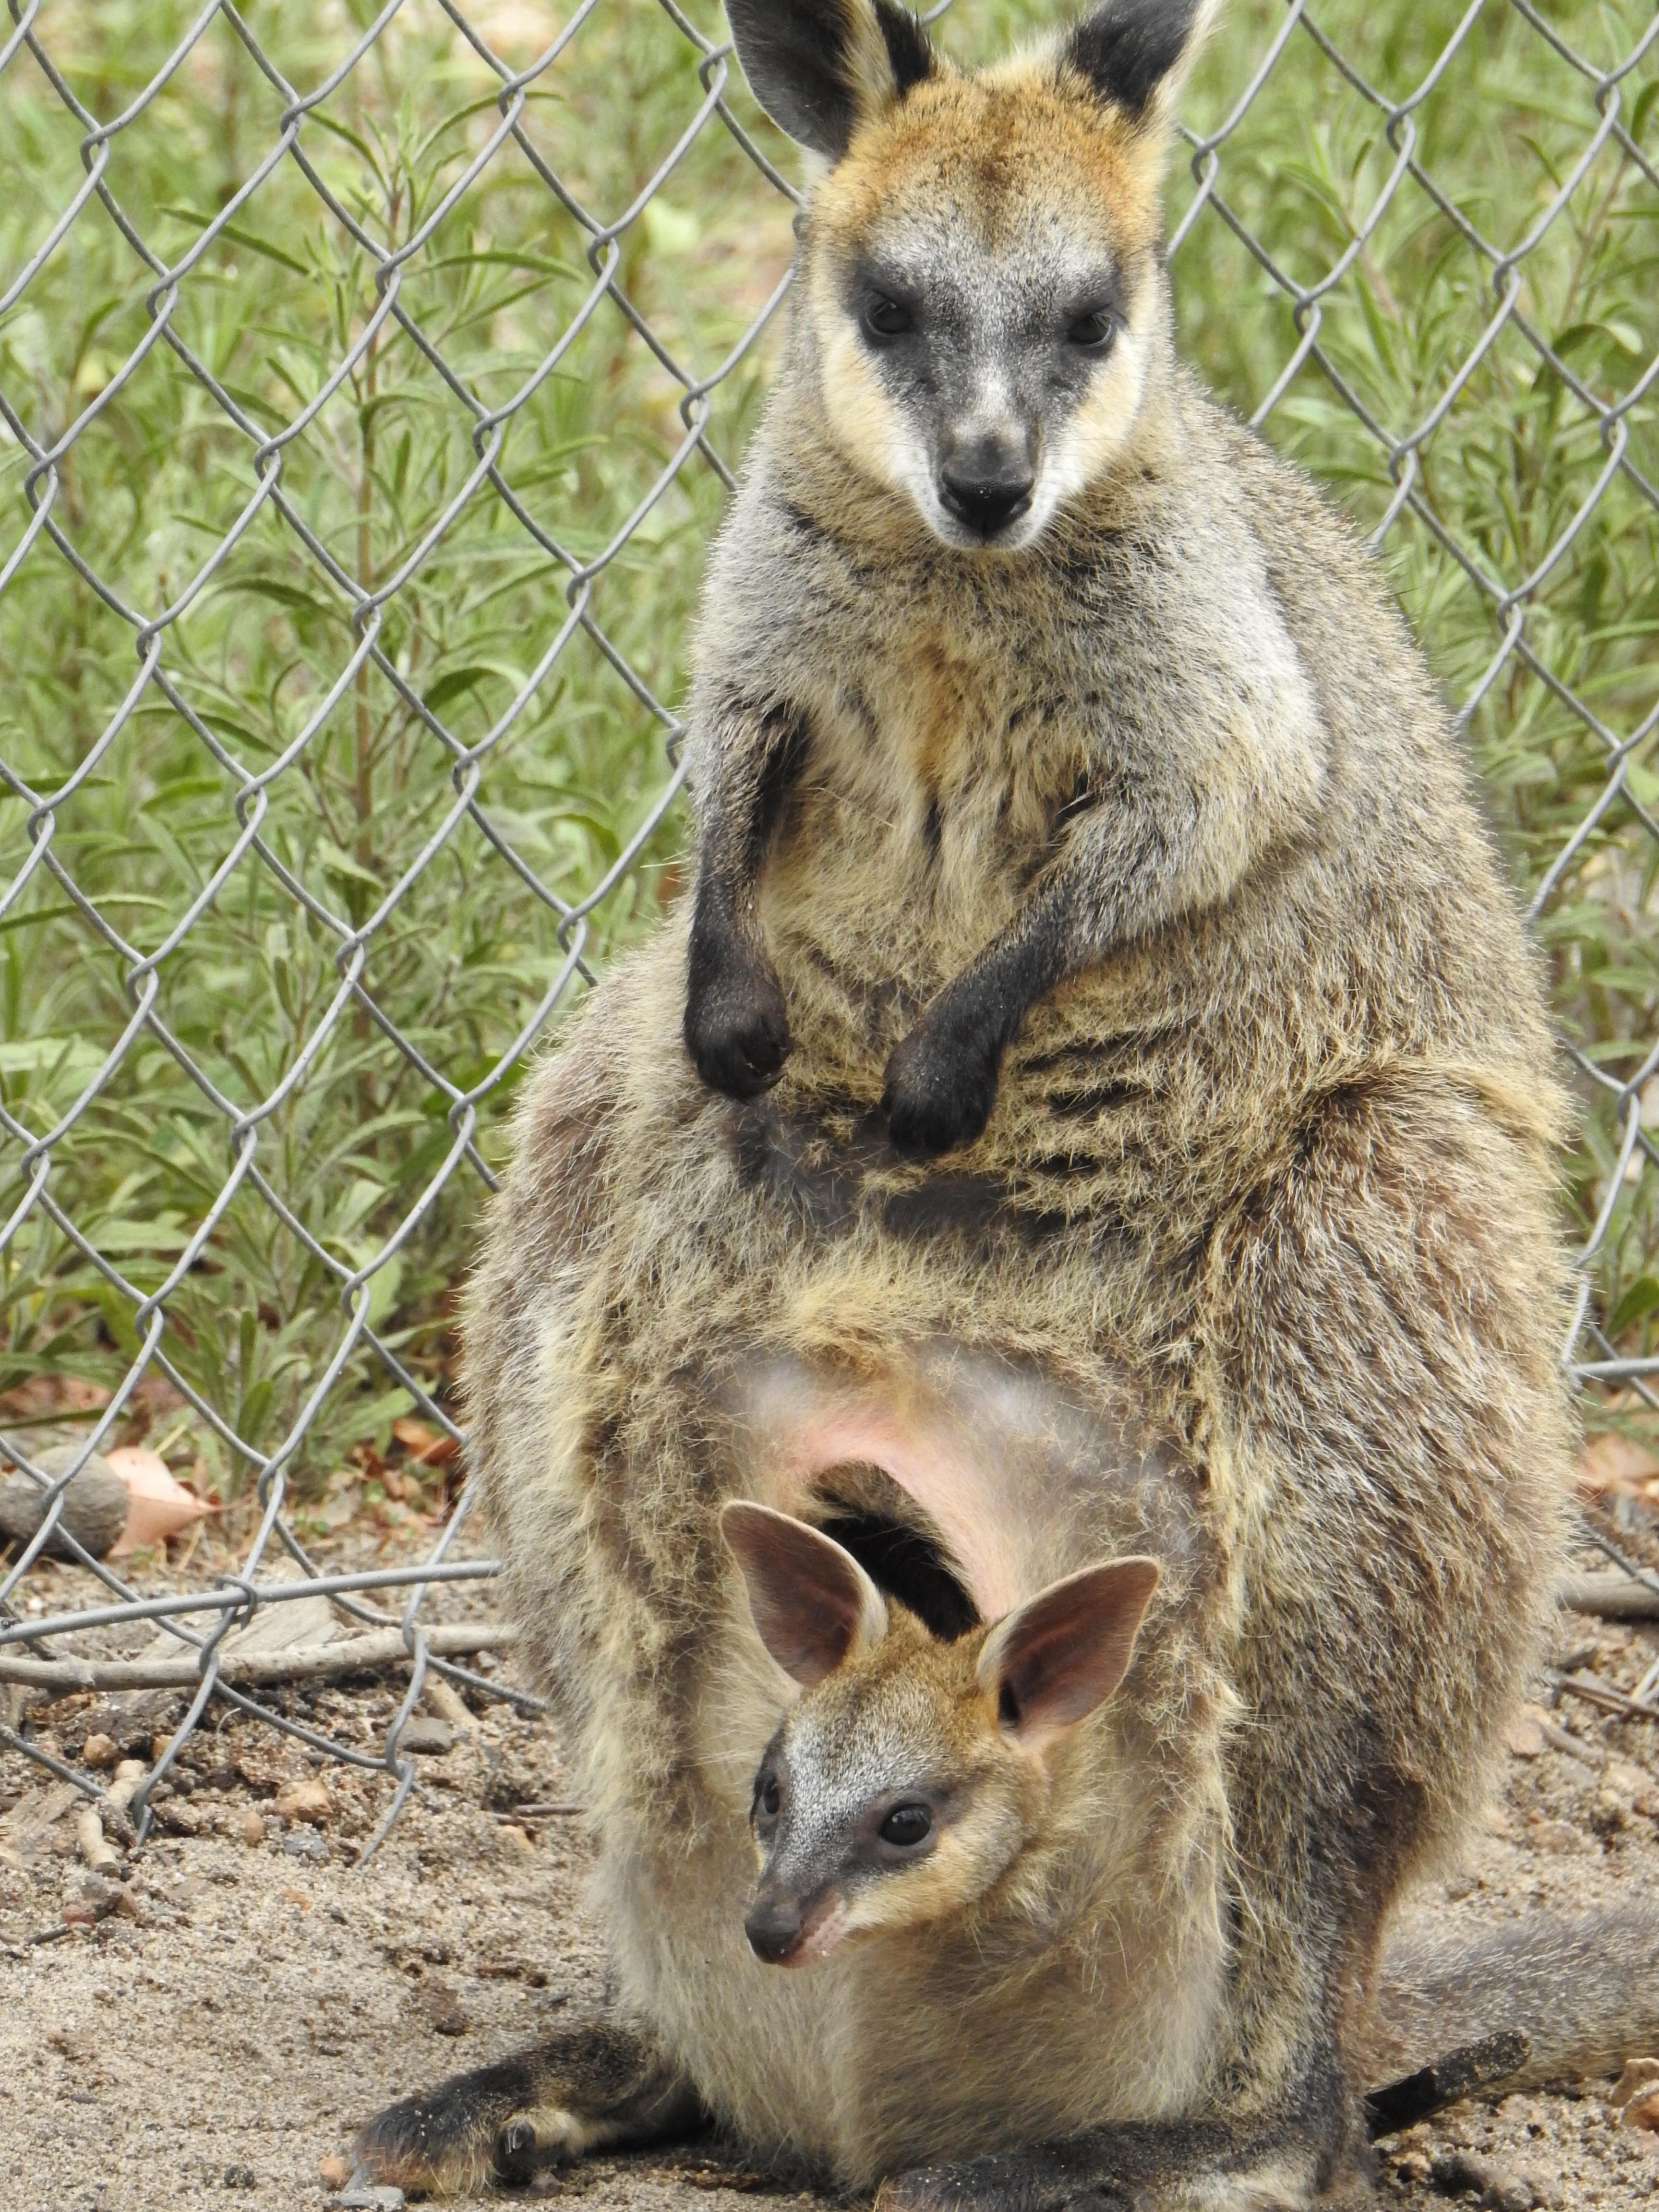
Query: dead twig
x=352, y=1655
x=1594, y=1692
x=1611, y=1597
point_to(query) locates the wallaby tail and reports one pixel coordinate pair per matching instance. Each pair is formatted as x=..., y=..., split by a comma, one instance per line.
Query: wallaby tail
x=1584, y=1994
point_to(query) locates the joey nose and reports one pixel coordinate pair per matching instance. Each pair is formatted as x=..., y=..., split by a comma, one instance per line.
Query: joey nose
x=774, y=1929
x=987, y=484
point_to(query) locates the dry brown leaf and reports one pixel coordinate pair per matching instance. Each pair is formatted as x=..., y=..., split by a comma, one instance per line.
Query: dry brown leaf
x=1615, y=1462
x=430, y=1446
x=160, y=1506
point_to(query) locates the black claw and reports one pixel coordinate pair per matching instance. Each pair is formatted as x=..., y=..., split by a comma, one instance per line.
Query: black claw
x=515, y=2156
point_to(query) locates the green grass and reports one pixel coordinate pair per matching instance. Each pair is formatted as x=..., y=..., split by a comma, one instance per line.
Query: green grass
x=465, y=956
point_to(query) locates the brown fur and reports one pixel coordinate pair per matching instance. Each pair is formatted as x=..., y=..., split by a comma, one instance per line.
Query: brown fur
x=1254, y=1268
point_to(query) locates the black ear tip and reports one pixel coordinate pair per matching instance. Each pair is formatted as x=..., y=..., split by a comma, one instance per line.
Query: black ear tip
x=1126, y=48
x=808, y=61
x=910, y=51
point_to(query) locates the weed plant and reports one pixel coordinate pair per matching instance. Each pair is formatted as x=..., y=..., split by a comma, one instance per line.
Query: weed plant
x=394, y=945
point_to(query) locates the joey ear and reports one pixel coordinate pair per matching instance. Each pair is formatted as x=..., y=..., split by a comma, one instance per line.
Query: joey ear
x=819, y=66
x=812, y=1602
x=1063, y=1653
x=1136, y=53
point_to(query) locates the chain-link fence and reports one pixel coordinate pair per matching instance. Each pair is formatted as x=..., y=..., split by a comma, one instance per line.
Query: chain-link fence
x=369, y=384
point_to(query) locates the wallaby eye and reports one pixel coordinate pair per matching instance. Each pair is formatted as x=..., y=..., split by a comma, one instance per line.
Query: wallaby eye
x=768, y=1798
x=907, y=1825
x=1093, y=332
x=887, y=318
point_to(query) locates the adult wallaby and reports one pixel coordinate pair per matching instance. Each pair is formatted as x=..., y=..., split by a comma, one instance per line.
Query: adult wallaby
x=1071, y=793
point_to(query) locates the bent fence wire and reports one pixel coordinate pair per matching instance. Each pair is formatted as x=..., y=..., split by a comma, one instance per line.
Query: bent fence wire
x=370, y=383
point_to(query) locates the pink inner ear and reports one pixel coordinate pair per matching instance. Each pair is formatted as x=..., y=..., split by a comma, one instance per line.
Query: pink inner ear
x=1065, y=1653
x=809, y=1599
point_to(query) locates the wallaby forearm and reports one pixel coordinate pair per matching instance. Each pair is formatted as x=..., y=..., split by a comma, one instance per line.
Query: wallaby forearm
x=736, y=1025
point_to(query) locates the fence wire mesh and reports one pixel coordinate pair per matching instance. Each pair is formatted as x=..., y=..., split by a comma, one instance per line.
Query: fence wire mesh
x=369, y=385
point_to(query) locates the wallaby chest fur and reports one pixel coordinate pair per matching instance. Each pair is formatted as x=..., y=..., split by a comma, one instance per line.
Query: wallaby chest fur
x=1243, y=1257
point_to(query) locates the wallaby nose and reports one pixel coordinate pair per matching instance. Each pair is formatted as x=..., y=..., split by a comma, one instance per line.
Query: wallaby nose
x=773, y=1927
x=988, y=483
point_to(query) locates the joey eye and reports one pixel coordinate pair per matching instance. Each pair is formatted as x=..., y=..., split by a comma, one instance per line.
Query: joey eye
x=907, y=1825
x=887, y=318
x=1093, y=332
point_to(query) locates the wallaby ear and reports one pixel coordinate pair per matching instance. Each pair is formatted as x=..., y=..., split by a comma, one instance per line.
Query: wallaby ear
x=812, y=1601
x=1063, y=1653
x=819, y=66
x=1136, y=53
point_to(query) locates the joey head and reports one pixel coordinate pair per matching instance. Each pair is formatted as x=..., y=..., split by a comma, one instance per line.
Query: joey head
x=914, y=1770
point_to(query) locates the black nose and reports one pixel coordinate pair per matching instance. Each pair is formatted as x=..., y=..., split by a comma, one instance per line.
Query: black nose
x=772, y=1928
x=986, y=487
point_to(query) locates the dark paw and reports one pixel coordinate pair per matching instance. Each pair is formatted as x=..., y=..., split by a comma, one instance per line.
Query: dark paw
x=940, y=1089
x=737, y=1028
x=515, y=2155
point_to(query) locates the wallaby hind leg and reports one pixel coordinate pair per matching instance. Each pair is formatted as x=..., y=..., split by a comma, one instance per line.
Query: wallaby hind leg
x=597, y=2087
x=1306, y=2157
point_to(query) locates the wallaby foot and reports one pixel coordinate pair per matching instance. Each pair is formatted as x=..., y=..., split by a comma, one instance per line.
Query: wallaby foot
x=1177, y=2166
x=598, y=2087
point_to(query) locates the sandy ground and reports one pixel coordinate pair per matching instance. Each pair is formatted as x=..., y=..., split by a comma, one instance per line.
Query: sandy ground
x=251, y=1997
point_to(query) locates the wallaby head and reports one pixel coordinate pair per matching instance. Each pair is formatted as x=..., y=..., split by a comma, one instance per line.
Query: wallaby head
x=907, y=1779
x=982, y=290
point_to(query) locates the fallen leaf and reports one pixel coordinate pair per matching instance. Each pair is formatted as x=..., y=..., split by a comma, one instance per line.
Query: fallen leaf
x=289, y=1895
x=160, y=1506
x=1613, y=1462
x=430, y=1446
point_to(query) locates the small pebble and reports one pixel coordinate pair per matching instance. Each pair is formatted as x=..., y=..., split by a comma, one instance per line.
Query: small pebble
x=1640, y=2074
x=100, y=1751
x=1526, y=1738
x=241, y=2177
x=305, y=1801
x=251, y=1827
x=93, y=1510
x=443, y=2008
x=426, y=1737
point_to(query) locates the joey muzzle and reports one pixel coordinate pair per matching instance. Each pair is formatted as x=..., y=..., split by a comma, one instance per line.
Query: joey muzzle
x=987, y=482
x=781, y=1926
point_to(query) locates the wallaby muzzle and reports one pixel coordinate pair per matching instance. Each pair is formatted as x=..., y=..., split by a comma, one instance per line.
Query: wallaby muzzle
x=986, y=481
x=785, y=1930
